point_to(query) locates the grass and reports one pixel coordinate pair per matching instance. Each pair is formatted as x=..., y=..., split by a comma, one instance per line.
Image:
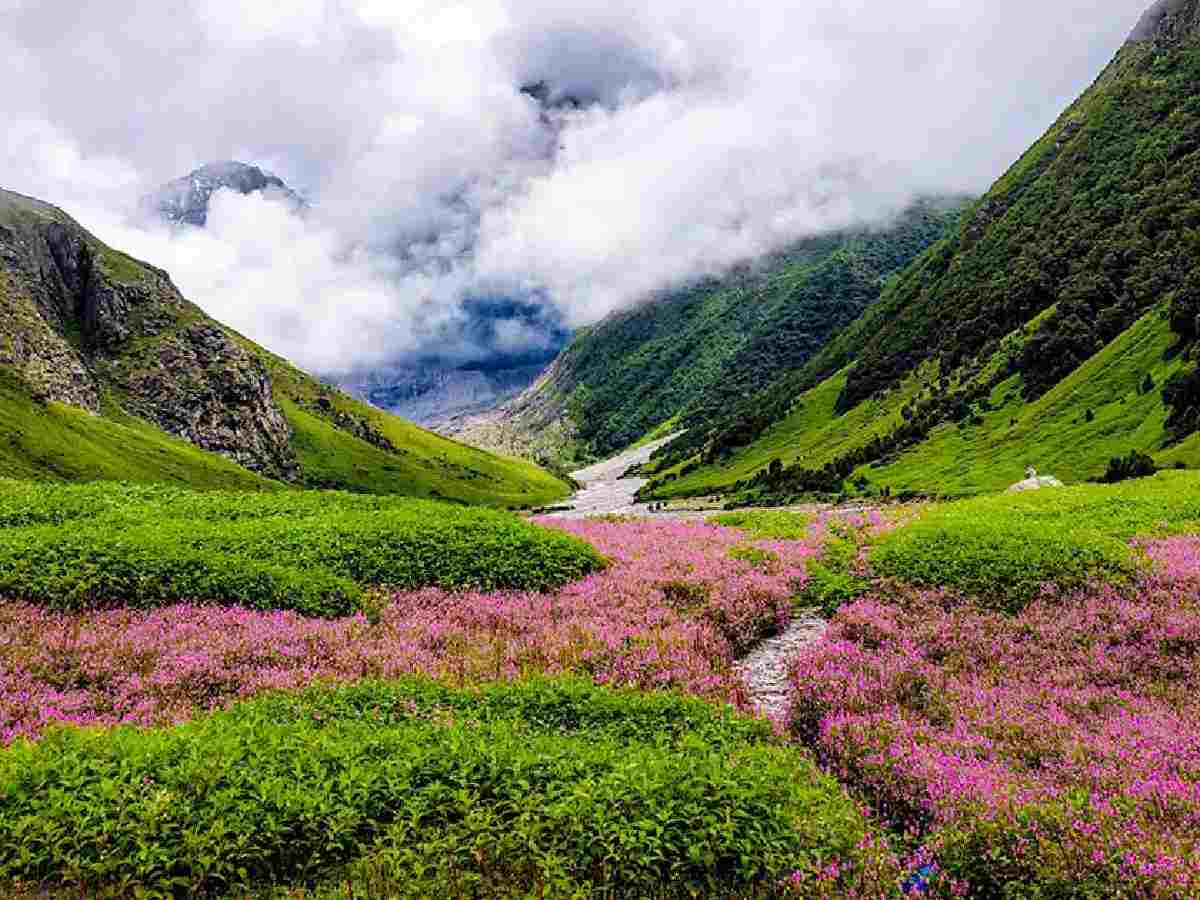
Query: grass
x=1005, y=548
x=549, y=789
x=1054, y=433
x=811, y=434
x=61, y=443
x=418, y=463
x=105, y=545
x=767, y=523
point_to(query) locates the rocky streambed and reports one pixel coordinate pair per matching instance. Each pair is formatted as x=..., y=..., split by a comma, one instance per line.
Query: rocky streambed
x=606, y=491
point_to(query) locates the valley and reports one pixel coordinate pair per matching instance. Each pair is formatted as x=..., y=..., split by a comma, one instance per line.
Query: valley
x=732, y=597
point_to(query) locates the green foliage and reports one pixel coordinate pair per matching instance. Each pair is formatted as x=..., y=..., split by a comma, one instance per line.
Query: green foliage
x=80, y=547
x=61, y=443
x=1005, y=561
x=778, y=524
x=829, y=588
x=691, y=355
x=1004, y=548
x=1124, y=468
x=539, y=789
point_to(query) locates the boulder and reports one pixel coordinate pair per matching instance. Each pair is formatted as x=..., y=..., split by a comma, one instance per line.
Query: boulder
x=1035, y=482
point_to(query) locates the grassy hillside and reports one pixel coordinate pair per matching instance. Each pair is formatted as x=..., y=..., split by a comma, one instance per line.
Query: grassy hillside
x=109, y=373
x=1055, y=326
x=1100, y=411
x=54, y=441
x=340, y=443
x=686, y=357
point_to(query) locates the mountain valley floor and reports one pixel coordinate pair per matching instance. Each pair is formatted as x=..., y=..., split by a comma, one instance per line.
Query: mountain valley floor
x=601, y=736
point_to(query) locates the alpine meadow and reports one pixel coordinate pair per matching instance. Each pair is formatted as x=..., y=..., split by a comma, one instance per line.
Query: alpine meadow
x=794, y=509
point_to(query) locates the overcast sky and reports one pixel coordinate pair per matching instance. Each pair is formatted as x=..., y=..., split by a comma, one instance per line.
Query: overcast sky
x=705, y=134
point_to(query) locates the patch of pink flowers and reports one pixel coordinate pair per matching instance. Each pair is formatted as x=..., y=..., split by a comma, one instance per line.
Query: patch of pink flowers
x=1066, y=738
x=674, y=610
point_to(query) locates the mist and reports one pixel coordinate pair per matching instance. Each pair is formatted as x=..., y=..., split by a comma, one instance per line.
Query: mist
x=669, y=141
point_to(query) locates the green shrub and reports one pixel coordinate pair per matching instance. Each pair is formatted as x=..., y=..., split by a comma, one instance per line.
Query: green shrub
x=1003, y=560
x=538, y=789
x=1005, y=547
x=829, y=588
x=82, y=547
x=766, y=523
x=1126, y=468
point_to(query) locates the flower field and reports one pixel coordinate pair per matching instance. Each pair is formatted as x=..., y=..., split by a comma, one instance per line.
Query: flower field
x=678, y=604
x=1056, y=747
x=979, y=720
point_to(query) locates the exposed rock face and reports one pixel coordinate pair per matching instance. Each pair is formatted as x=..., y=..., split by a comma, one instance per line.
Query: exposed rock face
x=185, y=200
x=1168, y=22
x=1034, y=482
x=80, y=323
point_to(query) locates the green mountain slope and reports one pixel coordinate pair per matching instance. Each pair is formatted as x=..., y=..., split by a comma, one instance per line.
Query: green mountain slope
x=1054, y=326
x=106, y=372
x=685, y=357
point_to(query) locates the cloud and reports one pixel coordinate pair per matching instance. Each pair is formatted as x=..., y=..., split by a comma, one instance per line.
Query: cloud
x=679, y=138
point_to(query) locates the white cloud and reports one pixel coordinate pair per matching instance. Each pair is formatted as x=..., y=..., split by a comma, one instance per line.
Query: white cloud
x=711, y=132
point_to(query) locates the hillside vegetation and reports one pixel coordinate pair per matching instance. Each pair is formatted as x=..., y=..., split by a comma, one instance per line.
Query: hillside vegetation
x=685, y=357
x=108, y=372
x=1054, y=326
x=104, y=545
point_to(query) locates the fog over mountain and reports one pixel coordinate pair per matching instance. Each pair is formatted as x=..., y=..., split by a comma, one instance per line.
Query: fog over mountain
x=562, y=159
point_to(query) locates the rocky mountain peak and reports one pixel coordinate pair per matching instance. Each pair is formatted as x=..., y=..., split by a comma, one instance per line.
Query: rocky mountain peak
x=185, y=200
x=1168, y=22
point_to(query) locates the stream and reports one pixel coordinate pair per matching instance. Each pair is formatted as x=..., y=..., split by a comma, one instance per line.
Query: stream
x=604, y=491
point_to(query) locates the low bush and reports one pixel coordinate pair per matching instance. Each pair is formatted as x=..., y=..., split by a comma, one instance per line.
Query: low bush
x=533, y=789
x=767, y=523
x=1007, y=562
x=1126, y=468
x=108, y=545
x=1008, y=547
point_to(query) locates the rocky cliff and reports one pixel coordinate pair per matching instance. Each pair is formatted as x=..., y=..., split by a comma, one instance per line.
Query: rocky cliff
x=85, y=325
x=1167, y=23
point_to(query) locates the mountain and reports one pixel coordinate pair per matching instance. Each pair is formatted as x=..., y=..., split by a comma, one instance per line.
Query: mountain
x=185, y=200
x=439, y=396
x=434, y=391
x=1057, y=325
x=439, y=392
x=106, y=371
x=681, y=359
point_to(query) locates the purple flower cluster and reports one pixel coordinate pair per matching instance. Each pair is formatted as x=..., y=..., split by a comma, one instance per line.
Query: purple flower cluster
x=1064, y=740
x=677, y=606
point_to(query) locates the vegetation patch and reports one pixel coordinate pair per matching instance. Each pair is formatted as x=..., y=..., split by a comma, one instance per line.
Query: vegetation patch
x=549, y=789
x=767, y=523
x=1047, y=753
x=103, y=545
x=1009, y=547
